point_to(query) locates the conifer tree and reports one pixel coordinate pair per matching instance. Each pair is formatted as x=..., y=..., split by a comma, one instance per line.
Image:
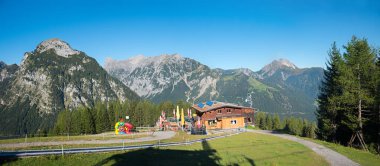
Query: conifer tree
x=376, y=118
x=88, y=122
x=63, y=123
x=268, y=122
x=77, y=127
x=330, y=90
x=258, y=118
x=276, y=122
x=111, y=114
x=261, y=122
x=99, y=120
x=358, y=86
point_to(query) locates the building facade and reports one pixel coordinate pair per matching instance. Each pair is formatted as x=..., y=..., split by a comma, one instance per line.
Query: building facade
x=221, y=115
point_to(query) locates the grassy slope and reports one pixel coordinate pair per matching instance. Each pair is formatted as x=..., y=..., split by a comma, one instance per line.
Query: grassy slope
x=359, y=156
x=178, y=137
x=107, y=136
x=243, y=149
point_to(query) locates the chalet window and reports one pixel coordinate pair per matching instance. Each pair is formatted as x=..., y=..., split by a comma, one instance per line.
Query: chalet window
x=249, y=120
x=228, y=110
x=219, y=111
x=233, y=122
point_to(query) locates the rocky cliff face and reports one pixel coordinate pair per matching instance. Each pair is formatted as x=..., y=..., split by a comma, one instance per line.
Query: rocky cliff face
x=51, y=78
x=7, y=72
x=165, y=77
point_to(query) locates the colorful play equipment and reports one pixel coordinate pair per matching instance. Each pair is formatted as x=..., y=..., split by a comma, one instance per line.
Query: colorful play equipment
x=122, y=127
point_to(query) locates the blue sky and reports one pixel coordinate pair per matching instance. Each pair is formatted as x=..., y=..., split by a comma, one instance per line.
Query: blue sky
x=223, y=34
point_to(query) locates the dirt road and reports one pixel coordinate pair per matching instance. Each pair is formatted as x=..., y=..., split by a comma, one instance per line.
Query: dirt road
x=332, y=157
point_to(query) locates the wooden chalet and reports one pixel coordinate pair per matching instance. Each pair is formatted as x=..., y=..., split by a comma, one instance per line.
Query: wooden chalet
x=220, y=115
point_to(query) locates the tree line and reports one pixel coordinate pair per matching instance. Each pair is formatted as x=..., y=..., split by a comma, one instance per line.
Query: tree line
x=291, y=125
x=103, y=116
x=348, y=104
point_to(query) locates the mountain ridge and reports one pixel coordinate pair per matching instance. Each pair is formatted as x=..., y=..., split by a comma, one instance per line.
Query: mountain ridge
x=278, y=87
x=55, y=76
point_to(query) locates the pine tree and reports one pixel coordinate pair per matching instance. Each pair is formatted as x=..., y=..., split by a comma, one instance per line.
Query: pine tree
x=63, y=123
x=102, y=122
x=295, y=126
x=99, y=120
x=330, y=90
x=133, y=113
x=88, y=121
x=376, y=118
x=76, y=118
x=276, y=122
x=312, y=130
x=260, y=120
x=111, y=114
x=358, y=86
x=268, y=122
x=373, y=126
x=106, y=123
x=140, y=113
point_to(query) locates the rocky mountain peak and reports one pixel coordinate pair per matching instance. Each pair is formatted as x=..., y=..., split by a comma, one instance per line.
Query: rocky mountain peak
x=60, y=47
x=285, y=62
x=275, y=65
x=281, y=63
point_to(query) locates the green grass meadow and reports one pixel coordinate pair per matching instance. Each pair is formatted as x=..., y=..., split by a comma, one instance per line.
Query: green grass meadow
x=106, y=136
x=242, y=149
x=180, y=136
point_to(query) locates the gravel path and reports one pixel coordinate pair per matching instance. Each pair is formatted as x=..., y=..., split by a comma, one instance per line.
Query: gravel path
x=332, y=157
x=150, y=137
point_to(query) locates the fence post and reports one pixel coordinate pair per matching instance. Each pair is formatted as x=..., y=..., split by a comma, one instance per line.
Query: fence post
x=26, y=137
x=123, y=144
x=62, y=150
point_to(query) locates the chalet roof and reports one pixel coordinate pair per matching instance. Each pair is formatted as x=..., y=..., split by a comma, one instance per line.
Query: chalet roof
x=212, y=105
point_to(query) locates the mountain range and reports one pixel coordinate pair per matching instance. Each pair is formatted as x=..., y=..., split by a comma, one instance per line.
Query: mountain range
x=55, y=77
x=49, y=79
x=279, y=87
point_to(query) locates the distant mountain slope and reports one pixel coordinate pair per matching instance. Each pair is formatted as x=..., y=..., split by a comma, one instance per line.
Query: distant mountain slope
x=165, y=77
x=51, y=78
x=284, y=74
x=279, y=87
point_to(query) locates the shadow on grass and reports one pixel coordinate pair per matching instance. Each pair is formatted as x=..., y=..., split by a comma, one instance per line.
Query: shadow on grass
x=154, y=156
x=7, y=160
